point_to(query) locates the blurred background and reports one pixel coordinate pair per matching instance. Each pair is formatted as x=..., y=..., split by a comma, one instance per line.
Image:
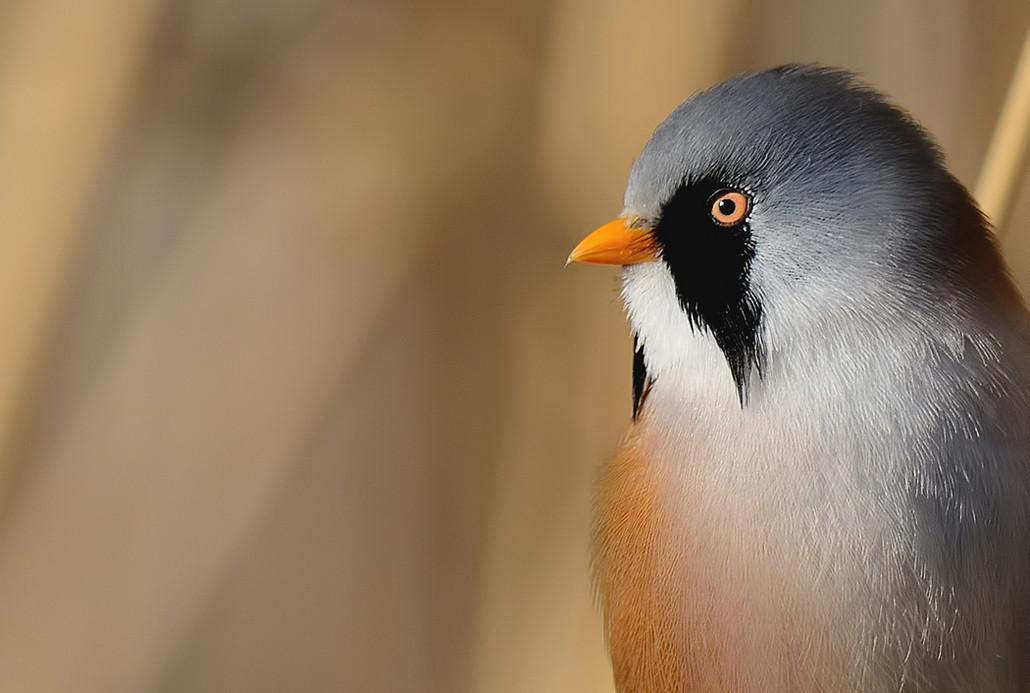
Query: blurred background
x=295, y=394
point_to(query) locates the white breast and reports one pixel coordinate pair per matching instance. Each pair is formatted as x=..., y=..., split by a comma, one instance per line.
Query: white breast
x=775, y=546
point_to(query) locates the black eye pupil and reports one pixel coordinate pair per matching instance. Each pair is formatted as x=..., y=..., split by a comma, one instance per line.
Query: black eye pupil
x=727, y=207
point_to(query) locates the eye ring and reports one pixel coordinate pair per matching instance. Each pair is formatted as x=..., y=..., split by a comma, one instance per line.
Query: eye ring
x=729, y=207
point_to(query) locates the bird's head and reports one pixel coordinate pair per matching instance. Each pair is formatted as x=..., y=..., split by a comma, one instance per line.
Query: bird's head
x=773, y=201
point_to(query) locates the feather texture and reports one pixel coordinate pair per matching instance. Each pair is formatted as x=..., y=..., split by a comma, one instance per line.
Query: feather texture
x=862, y=521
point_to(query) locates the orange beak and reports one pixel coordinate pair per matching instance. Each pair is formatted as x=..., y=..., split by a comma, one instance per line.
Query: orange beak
x=615, y=243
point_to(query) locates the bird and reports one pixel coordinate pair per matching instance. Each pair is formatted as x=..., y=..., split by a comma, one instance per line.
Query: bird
x=824, y=483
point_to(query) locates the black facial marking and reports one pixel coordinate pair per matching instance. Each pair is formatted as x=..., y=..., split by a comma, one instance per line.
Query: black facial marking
x=711, y=264
x=641, y=383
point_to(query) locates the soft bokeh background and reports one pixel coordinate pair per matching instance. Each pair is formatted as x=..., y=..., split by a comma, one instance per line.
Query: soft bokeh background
x=295, y=394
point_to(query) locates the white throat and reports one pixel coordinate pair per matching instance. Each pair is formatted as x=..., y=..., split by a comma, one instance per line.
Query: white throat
x=675, y=350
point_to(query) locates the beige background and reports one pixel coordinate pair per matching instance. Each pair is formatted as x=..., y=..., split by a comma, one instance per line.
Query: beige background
x=295, y=394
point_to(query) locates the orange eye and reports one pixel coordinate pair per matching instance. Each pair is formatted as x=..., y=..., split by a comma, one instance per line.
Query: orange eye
x=729, y=208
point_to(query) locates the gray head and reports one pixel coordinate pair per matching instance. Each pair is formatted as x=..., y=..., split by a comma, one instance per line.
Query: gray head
x=778, y=199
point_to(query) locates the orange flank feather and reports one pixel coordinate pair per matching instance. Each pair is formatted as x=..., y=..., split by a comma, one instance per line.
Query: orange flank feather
x=635, y=574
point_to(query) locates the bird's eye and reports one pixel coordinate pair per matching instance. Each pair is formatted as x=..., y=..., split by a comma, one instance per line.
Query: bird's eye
x=729, y=207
